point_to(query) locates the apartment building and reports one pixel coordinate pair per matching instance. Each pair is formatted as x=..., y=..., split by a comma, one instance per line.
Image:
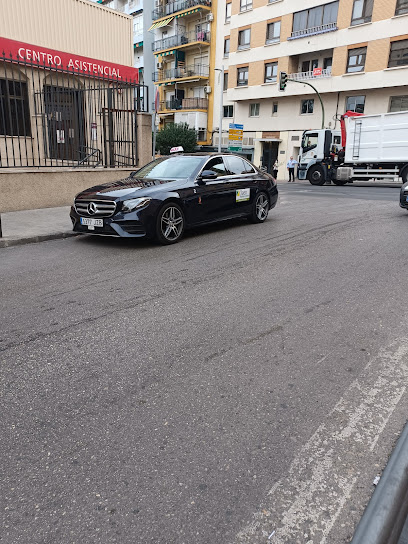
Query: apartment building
x=354, y=52
x=140, y=10
x=184, y=63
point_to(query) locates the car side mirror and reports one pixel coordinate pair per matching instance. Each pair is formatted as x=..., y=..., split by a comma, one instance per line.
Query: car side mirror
x=206, y=175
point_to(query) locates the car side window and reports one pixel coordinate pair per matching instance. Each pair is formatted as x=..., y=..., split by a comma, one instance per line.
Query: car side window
x=235, y=165
x=249, y=169
x=216, y=165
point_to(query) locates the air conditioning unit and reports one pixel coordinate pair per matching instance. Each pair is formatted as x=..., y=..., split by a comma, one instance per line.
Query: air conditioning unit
x=209, y=17
x=207, y=89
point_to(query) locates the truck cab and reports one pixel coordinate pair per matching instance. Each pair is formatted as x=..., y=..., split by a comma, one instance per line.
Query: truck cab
x=316, y=148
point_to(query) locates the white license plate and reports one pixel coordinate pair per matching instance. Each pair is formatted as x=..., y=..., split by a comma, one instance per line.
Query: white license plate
x=91, y=223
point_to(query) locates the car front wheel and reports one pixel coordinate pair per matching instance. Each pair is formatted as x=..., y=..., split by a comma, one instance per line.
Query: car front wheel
x=170, y=224
x=260, y=209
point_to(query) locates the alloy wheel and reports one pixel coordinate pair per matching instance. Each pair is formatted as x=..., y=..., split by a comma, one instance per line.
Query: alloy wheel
x=172, y=223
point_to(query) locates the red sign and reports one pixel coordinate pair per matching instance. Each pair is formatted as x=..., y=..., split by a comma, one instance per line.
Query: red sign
x=49, y=58
x=317, y=72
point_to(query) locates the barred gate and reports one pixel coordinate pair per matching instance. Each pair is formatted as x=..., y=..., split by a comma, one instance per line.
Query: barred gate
x=53, y=117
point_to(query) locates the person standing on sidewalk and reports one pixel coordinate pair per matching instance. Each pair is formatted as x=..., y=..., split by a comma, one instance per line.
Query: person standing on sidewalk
x=275, y=169
x=291, y=168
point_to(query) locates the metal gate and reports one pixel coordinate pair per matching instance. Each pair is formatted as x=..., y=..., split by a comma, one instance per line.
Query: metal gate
x=52, y=117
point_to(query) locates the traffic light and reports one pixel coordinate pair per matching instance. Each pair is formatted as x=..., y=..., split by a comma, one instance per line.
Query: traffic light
x=283, y=78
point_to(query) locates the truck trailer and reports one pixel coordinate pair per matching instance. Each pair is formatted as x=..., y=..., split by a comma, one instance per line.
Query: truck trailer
x=366, y=147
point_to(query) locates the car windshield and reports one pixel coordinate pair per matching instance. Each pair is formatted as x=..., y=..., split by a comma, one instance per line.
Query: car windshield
x=170, y=168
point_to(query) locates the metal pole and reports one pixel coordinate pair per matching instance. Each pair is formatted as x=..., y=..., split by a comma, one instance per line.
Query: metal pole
x=316, y=91
x=221, y=109
x=154, y=135
x=1, y=232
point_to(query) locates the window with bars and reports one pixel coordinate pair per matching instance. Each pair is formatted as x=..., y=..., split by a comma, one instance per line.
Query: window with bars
x=14, y=110
x=245, y=5
x=401, y=7
x=242, y=76
x=254, y=110
x=244, y=39
x=273, y=32
x=226, y=47
x=355, y=103
x=313, y=19
x=362, y=12
x=356, y=59
x=271, y=72
x=307, y=106
x=398, y=54
x=398, y=103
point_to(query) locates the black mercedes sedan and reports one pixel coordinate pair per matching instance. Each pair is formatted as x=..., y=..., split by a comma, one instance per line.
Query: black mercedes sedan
x=404, y=196
x=174, y=193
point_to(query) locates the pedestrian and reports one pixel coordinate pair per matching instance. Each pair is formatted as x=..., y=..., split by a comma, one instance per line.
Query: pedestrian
x=275, y=169
x=291, y=169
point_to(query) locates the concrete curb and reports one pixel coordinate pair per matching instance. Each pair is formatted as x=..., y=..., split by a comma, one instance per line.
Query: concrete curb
x=385, y=515
x=9, y=242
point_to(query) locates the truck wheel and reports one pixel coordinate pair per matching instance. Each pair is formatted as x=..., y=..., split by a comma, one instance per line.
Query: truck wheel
x=339, y=181
x=316, y=175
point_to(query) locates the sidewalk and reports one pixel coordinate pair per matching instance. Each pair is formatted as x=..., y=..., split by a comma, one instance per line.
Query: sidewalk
x=35, y=226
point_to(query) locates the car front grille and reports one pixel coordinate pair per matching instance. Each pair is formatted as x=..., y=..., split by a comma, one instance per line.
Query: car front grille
x=95, y=208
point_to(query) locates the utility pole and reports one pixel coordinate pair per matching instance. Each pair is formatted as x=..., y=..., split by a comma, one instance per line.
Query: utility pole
x=221, y=106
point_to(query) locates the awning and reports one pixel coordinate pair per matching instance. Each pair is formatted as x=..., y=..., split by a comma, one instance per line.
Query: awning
x=189, y=12
x=164, y=22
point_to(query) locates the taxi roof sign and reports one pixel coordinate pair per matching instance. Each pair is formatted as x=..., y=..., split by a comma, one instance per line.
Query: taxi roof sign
x=177, y=149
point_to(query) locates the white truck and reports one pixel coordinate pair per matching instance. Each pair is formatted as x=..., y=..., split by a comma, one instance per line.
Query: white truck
x=366, y=147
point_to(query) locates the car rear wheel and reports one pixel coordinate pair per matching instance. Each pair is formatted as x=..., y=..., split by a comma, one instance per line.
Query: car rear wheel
x=170, y=224
x=260, y=208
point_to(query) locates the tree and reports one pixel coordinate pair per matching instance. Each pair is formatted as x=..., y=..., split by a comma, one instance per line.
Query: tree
x=173, y=135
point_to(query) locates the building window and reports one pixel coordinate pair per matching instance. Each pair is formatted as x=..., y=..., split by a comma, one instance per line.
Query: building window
x=402, y=7
x=242, y=76
x=244, y=39
x=225, y=86
x=273, y=32
x=271, y=72
x=274, y=108
x=362, y=11
x=228, y=111
x=355, y=103
x=226, y=47
x=398, y=54
x=356, y=59
x=228, y=12
x=328, y=63
x=14, y=110
x=309, y=65
x=315, y=20
x=245, y=5
x=398, y=103
x=254, y=110
x=306, y=106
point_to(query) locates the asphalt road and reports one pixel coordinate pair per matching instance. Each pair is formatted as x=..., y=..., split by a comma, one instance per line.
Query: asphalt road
x=243, y=386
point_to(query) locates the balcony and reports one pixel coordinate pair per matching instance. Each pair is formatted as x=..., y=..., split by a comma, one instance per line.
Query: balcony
x=317, y=73
x=181, y=39
x=182, y=72
x=177, y=5
x=184, y=104
x=313, y=31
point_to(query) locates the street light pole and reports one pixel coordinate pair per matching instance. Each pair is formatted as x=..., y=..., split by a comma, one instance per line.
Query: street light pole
x=221, y=106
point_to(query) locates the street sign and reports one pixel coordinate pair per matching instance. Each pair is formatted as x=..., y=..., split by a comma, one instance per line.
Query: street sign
x=235, y=136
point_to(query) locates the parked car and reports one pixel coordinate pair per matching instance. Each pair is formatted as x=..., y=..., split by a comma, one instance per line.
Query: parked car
x=174, y=193
x=404, y=196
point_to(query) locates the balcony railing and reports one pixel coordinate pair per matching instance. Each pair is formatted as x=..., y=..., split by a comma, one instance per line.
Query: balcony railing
x=184, y=104
x=181, y=39
x=314, y=74
x=177, y=5
x=195, y=70
x=313, y=30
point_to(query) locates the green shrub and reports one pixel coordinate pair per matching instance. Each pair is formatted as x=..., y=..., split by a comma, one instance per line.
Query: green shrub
x=173, y=135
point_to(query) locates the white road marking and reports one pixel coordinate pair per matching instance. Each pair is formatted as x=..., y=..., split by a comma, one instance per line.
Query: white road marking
x=303, y=506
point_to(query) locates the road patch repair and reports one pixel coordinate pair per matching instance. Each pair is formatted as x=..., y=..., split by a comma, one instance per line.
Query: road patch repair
x=303, y=506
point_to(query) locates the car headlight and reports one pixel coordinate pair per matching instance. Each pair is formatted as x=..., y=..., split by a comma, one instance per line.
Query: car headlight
x=134, y=204
x=405, y=189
